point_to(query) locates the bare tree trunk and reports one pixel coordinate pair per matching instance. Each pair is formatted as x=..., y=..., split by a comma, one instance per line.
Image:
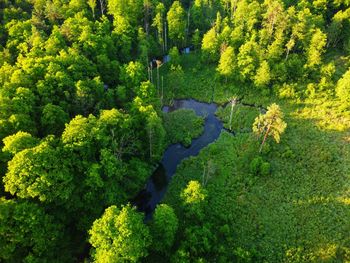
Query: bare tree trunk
x=203, y=176
x=102, y=6
x=232, y=104
x=265, y=137
x=287, y=53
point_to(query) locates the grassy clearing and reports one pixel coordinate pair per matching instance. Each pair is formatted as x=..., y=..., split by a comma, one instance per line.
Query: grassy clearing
x=298, y=213
x=242, y=117
x=195, y=80
x=182, y=126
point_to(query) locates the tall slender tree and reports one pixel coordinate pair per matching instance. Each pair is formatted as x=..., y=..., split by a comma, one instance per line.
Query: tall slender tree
x=270, y=124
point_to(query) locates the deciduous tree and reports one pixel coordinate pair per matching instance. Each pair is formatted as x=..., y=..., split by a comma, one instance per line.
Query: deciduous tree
x=120, y=236
x=270, y=124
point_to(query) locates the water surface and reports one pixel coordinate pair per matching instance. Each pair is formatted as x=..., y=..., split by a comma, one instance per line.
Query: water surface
x=156, y=186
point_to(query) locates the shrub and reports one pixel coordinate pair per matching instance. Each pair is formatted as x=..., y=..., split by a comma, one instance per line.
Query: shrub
x=265, y=168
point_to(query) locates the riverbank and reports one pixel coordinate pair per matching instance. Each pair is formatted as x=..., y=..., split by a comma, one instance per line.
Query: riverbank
x=297, y=213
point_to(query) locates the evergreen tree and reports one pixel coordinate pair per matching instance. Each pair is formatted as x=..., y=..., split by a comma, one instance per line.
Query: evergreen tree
x=176, y=23
x=227, y=63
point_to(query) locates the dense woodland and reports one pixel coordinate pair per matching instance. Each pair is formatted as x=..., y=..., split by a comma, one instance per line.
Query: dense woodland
x=82, y=130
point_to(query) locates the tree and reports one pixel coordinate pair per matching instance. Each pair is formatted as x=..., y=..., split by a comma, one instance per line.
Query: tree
x=28, y=234
x=92, y=4
x=227, y=63
x=132, y=74
x=343, y=89
x=248, y=59
x=210, y=45
x=194, y=199
x=53, y=118
x=174, y=56
x=263, y=75
x=39, y=172
x=158, y=23
x=163, y=228
x=176, y=23
x=119, y=236
x=316, y=48
x=18, y=142
x=78, y=136
x=270, y=124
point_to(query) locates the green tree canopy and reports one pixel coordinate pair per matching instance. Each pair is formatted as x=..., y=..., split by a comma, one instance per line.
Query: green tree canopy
x=18, y=142
x=176, y=23
x=163, y=228
x=120, y=236
x=270, y=124
x=39, y=172
x=343, y=89
x=28, y=234
x=227, y=63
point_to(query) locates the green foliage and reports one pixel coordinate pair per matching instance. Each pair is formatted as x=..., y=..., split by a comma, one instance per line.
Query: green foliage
x=18, y=142
x=343, y=90
x=176, y=23
x=39, y=172
x=71, y=59
x=248, y=59
x=270, y=124
x=119, y=235
x=316, y=48
x=174, y=57
x=53, y=119
x=227, y=63
x=193, y=193
x=132, y=74
x=259, y=167
x=182, y=126
x=263, y=75
x=24, y=231
x=243, y=117
x=163, y=228
x=210, y=45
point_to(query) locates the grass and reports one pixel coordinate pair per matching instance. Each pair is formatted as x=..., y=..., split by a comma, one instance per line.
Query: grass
x=298, y=213
x=182, y=126
x=242, y=117
x=195, y=81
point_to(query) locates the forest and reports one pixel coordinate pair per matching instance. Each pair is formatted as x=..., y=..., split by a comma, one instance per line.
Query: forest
x=174, y=131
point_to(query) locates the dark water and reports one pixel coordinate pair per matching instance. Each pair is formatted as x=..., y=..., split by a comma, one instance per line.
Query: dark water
x=156, y=186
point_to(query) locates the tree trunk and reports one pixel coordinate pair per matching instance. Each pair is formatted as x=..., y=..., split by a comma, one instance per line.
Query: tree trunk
x=287, y=54
x=265, y=137
x=102, y=7
x=231, y=114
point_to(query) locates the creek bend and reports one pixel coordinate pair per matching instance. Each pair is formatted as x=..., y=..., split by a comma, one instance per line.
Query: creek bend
x=157, y=184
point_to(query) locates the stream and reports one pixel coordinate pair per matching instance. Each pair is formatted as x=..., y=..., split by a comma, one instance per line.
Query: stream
x=157, y=184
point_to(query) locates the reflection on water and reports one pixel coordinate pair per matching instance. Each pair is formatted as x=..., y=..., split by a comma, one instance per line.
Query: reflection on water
x=156, y=186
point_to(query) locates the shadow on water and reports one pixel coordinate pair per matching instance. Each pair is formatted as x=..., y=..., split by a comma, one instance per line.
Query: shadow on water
x=156, y=186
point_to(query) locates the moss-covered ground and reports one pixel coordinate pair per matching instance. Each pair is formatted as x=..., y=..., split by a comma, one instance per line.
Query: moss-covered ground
x=300, y=211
